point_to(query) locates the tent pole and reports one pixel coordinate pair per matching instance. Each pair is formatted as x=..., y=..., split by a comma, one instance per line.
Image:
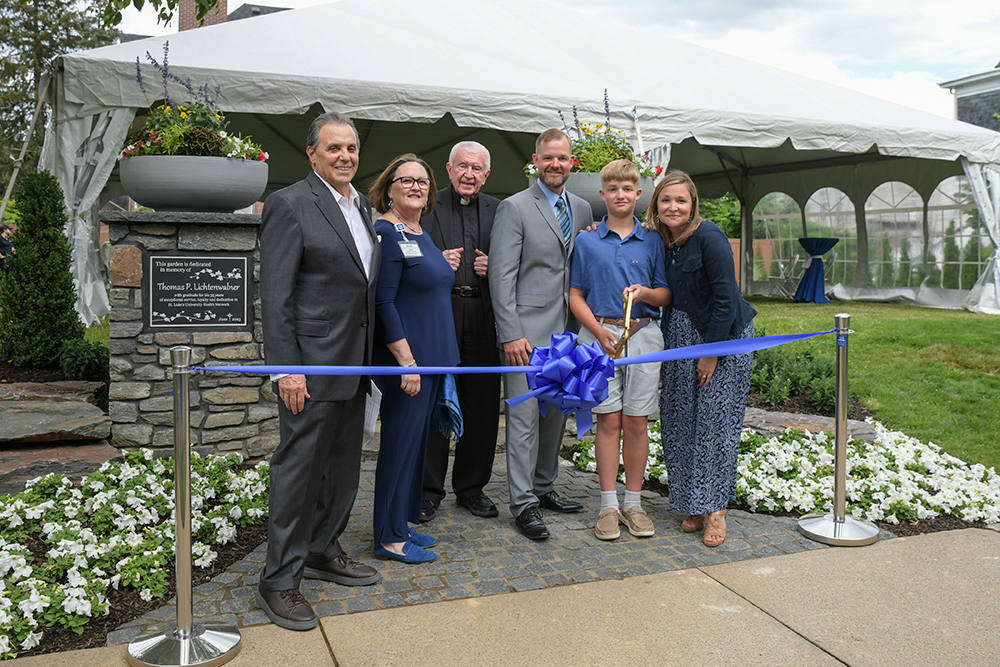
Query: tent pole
x=20, y=158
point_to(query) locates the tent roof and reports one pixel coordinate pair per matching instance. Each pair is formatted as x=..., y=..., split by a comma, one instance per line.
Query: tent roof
x=512, y=64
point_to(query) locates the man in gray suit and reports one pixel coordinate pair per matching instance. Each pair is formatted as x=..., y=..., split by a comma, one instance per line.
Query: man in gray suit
x=319, y=260
x=531, y=243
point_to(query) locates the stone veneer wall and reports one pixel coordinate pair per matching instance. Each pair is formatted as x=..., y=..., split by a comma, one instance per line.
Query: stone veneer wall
x=979, y=109
x=229, y=412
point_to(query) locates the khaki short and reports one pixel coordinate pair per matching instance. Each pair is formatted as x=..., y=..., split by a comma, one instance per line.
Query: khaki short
x=634, y=390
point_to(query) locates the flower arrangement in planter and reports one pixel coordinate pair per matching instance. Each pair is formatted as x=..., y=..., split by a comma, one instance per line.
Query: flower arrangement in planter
x=184, y=159
x=595, y=145
x=195, y=128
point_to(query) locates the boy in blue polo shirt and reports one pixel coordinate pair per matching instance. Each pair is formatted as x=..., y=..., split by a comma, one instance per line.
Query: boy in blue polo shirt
x=608, y=264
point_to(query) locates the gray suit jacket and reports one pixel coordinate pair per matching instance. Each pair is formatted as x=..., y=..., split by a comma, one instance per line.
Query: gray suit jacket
x=529, y=266
x=439, y=225
x=318, y=306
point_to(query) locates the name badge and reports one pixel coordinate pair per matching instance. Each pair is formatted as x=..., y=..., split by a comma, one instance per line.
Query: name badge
x=410, y=249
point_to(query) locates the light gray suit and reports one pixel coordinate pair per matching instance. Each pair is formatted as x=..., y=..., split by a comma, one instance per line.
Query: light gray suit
x=529, y=286
x=318, y=308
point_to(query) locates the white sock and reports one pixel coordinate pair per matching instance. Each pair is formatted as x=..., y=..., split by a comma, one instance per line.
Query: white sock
x=609, y=499
x=632, y=499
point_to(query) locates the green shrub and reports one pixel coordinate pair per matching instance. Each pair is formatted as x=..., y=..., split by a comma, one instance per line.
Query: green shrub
x=777, y=393
x=799, y=371
x=823, y=391
x=37, y=296
x=83, y=360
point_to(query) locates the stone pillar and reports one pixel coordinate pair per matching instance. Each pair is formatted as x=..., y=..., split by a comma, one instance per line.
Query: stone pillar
x=230, y=412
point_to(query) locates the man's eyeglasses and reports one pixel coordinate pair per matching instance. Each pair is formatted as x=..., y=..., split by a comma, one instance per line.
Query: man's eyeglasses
x=476, y=169
x=409, y=182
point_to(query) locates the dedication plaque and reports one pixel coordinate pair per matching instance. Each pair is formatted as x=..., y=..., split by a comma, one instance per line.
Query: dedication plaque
x=197, y=291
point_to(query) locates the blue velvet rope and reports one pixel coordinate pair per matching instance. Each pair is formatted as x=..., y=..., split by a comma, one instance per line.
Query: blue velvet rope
x=564, y=375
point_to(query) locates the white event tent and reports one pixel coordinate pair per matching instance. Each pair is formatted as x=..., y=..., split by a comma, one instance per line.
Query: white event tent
x=420, y=75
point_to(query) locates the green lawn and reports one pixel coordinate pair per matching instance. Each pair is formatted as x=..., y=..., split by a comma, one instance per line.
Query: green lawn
x=98, y=331
x=933, y=374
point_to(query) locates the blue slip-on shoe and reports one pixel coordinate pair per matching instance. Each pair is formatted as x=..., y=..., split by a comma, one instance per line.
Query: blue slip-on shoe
x=412, y=554
x=422, y=540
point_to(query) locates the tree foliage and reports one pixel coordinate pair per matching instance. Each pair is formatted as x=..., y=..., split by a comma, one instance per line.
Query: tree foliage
x=164, y=8
x=37, y=296
x=32, y=33
x=723, y=211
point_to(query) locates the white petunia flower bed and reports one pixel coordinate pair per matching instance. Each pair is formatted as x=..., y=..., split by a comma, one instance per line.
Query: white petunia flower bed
x=115, y=529
x=896, y=478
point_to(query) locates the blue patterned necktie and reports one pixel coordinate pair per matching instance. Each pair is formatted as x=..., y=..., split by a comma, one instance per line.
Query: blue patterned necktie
x=562, y=217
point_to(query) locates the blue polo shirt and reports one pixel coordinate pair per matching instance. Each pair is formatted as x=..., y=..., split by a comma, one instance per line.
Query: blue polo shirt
x=604, y=264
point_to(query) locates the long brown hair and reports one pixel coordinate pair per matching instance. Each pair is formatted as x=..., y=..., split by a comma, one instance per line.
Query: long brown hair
x=674, y=177
x=379, y=191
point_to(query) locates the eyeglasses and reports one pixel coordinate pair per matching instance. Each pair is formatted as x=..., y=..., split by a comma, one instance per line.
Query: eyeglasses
x=476, y=169
x=409, y=182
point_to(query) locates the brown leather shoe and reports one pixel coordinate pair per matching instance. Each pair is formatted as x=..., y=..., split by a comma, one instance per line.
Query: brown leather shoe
x=286, y=609
x=343, y=570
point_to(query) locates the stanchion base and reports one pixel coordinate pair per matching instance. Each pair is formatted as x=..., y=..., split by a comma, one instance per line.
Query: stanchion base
x=207, y=646
x=849, y=533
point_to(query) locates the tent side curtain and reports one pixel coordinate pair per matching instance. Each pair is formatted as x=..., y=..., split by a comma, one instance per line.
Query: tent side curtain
x=984, y=179
x=81, y=153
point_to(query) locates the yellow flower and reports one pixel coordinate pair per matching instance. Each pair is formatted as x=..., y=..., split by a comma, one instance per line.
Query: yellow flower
x=183, y=115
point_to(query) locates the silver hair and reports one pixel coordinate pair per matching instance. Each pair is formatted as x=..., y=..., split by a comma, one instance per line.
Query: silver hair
x=329, y=118
x=472, y=147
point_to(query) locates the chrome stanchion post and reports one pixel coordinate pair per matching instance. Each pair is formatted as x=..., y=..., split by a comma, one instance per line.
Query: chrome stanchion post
x=183, y=643
x=837, y=528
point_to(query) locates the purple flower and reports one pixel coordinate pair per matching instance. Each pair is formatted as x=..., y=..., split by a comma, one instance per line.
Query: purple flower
x=576, y=119
x=607, y=111
x=138, y=75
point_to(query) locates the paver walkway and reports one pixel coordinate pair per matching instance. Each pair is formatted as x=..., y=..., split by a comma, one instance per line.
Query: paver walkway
x=481, y=557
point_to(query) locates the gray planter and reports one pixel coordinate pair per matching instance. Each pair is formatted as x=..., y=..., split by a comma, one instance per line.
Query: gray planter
x=193, y=183
x=588, y=187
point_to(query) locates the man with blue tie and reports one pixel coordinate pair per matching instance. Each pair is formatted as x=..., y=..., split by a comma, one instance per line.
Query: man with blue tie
x=531, y=241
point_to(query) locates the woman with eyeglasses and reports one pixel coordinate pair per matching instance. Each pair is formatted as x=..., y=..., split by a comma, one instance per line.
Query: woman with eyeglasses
x=413, y=325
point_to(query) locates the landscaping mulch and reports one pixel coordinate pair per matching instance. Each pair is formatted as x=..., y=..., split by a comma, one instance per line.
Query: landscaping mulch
x=126, y=605
x=802, y=404
x=11, y=374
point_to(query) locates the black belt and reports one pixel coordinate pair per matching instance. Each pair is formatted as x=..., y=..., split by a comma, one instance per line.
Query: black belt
x=466, y=290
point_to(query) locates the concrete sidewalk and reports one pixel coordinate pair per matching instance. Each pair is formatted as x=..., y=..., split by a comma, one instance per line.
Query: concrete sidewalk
x=928, y=600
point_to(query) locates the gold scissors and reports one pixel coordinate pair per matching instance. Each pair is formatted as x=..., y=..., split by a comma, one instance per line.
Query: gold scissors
x=629, y=330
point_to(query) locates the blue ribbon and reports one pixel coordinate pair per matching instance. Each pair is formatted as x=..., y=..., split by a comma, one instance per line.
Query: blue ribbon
x=564, y=375
x=574, y=378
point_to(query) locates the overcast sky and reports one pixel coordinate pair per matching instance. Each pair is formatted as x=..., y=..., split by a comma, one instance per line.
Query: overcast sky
x=896, y=49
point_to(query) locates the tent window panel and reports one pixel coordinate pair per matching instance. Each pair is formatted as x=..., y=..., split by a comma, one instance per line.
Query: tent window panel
x=894, y=220
x=777, y=226
x=830, y=214
x=959, y=244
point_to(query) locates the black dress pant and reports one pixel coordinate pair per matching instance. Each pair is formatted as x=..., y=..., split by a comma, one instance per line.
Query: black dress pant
x=479, y=399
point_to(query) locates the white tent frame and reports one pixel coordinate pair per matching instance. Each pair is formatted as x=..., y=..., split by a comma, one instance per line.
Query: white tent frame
x=420, y=75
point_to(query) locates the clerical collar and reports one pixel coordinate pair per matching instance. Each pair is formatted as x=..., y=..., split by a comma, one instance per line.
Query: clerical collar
x=464, y=202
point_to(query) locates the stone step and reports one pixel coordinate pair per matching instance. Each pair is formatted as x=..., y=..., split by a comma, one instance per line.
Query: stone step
x=48, y=421
x=50, y=391
x=75, y=460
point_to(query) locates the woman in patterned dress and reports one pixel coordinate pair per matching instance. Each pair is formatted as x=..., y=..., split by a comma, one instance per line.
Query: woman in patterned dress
x=702, y=401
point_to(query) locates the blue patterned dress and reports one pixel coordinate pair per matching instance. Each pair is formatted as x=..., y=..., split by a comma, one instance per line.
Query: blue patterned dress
x=700, y=426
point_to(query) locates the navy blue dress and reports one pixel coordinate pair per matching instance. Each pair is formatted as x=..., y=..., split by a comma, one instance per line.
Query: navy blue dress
x=412, y=301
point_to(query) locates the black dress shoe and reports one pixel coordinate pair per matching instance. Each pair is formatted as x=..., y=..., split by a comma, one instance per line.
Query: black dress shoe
x=552, y=501
x=530, y=523
x=343, y=570
x=286, y=609
x=478, y=504
x=427, y=510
